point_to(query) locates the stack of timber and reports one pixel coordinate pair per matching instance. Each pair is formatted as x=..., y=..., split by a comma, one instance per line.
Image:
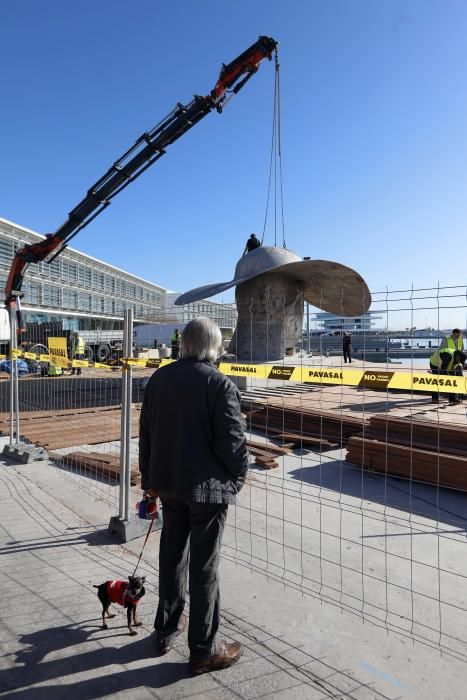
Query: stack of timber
x=292, y=422
x=418, y=450
x=55, y=429
x=96, y=463
x=265, y=454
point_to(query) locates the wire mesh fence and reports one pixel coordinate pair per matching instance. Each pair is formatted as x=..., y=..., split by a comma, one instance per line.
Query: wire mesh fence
x=357, y=490
x=365, y=505
x=72, y=412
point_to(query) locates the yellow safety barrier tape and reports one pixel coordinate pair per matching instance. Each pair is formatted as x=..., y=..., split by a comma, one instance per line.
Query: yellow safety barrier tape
x=142, y=362
x=368, y=379
x=39, y=357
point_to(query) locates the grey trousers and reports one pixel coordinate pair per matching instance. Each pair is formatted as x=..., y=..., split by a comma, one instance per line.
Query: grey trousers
x=190, y=540
x=456, y=372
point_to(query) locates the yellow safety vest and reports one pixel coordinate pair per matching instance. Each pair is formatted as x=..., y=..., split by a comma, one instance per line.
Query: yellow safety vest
x=78, y=346
x=435, y=359
x=455, y=345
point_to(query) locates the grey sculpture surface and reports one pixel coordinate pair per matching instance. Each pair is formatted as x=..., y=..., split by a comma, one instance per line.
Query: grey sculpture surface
x=271, y=287
x=270, y=318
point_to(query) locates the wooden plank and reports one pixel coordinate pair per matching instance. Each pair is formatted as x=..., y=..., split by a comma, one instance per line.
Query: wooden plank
x=272, y=407
x=261, y=453
x=70, y=429
x=54, y=414
x=333, y=434
x=96, y=462
x=414, y=464
x=267, y=463
x=290, y=446
x=275, y=449
x=411, y=423
x=308, y=440
x=451, y=439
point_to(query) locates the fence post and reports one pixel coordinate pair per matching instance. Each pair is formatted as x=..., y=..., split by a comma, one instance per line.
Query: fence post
x=16, y=385
x=124, y=526
x=15, y=449
x=128, y=351
x=123, y=428
x=12, y=374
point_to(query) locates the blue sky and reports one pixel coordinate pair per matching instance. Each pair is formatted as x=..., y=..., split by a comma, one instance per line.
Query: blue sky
x=374, y=114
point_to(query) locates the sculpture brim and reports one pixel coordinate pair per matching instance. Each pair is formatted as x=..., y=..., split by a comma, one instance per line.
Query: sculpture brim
x=328, y=286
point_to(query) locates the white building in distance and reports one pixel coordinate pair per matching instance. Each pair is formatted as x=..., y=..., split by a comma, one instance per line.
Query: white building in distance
x=78, y=292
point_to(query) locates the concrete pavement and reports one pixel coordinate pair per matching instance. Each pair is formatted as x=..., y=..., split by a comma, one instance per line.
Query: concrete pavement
x=54, y=547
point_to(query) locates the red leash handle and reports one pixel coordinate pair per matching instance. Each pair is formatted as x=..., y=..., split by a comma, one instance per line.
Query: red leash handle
x=146, y=539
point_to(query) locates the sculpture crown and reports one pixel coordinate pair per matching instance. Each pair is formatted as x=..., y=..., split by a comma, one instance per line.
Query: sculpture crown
x=264, y=259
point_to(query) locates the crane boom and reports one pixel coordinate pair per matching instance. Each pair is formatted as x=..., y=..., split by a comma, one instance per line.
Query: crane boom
x=147, y=150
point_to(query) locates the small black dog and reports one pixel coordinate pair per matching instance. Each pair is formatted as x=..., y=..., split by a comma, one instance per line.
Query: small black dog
x=125, y=593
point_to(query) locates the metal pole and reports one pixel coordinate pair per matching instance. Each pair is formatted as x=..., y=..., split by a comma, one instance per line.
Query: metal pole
x=16, y=378
x=129, y=378
x=123, y=424
x=12, y=384
x=308, y=324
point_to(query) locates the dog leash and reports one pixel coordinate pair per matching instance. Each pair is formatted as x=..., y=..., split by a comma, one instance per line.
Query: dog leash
x=146, y=539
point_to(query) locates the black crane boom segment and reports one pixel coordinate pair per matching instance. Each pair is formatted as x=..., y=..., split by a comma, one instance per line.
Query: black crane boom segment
x=148, y=148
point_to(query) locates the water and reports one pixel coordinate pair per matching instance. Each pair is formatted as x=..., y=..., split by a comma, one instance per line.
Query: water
x=418, y=363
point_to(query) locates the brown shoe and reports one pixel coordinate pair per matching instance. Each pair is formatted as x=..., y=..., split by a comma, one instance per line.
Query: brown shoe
x=165, y=644
x=227, y=655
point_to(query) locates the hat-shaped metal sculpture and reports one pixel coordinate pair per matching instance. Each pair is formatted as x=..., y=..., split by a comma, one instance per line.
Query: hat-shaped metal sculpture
x=271, y=286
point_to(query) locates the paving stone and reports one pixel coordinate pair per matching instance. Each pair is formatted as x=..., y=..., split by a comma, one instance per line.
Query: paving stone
x=53, y=646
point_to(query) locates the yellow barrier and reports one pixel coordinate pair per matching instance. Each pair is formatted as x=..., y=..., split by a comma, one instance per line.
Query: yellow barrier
x=368, y=379
x=52, y=358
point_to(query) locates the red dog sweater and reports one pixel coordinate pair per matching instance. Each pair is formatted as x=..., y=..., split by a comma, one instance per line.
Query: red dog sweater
x=118, y=593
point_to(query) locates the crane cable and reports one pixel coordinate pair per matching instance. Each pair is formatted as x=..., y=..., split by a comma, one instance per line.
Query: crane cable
x=275, y=162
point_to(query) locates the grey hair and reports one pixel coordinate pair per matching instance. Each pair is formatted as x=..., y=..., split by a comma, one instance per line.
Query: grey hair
x=201, y=339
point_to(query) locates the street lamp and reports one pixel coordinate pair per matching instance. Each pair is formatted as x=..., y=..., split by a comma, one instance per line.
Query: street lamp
x=308, y=317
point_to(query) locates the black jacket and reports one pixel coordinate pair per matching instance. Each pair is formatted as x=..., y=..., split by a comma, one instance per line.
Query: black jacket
x=192, y=444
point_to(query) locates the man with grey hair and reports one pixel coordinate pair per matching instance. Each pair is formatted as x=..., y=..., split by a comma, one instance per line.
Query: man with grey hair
x=193, y=456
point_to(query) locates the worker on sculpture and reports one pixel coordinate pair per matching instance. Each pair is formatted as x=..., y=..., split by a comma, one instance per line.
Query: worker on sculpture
x=251, y=244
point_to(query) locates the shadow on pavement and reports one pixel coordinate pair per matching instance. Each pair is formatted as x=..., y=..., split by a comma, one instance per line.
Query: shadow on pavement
x=443, y=504
x=96, y=538
x=32, y=666
x=386, y=405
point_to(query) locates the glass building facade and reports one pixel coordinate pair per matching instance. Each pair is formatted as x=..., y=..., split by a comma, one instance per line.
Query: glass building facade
x=225, y=315
x=364, y=323
x=83, y=293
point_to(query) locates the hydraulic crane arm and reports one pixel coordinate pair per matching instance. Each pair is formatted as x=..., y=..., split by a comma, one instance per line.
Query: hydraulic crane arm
x=147, y=149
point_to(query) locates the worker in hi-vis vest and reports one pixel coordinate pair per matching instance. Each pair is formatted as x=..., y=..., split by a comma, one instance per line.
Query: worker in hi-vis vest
x=453, y=341
x=77, y=350
x=447, y=361
x=175, y=341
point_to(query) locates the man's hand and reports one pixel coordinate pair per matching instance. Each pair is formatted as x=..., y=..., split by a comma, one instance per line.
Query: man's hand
x=151, y=493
